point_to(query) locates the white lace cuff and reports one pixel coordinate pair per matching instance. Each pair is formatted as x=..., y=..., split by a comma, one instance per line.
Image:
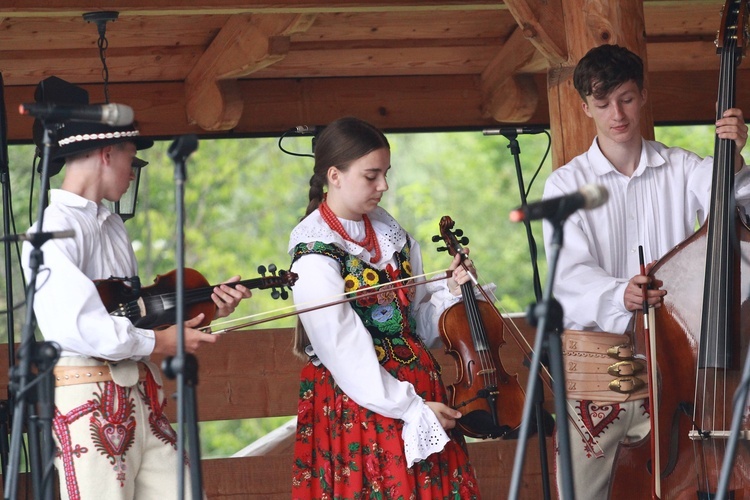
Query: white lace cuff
x=423, y=437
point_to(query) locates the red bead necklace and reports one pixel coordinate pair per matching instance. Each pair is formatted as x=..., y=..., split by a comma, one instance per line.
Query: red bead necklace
x=369, y=243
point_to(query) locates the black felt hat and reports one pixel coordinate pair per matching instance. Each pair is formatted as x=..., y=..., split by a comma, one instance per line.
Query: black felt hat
x=74, y=138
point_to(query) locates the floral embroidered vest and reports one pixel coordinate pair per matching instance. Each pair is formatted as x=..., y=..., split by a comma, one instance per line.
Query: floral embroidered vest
x=384, y=309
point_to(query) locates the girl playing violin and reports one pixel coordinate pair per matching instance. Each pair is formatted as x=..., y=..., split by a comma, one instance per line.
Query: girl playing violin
x=372, y=417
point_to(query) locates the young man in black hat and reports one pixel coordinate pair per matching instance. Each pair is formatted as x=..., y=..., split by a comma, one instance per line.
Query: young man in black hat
x=113, y=438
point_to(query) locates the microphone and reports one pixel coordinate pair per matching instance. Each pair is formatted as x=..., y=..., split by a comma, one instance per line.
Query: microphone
x=182, y=147
x=513, y=130
x=307, y=129
x=557, y=209
x=116, y=115
x=39, y=238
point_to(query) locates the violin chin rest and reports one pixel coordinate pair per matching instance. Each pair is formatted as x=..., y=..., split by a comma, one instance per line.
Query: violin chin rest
x=479, y=424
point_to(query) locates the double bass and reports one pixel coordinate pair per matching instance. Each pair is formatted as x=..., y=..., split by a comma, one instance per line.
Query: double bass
x=701, y=334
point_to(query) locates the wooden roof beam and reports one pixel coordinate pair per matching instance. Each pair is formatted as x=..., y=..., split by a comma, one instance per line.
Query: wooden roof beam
x=509, y=97
x=542, y=22
x=244, y=45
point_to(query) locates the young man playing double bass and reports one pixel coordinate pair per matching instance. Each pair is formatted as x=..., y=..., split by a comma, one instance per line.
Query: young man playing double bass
x=656, y=194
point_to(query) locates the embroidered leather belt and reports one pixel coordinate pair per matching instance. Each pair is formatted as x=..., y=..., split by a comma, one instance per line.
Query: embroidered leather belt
x=601, y=367
x=72, y=375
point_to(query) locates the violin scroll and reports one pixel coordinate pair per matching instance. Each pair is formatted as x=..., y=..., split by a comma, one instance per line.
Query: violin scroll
x=454, y=239
x=285, y=279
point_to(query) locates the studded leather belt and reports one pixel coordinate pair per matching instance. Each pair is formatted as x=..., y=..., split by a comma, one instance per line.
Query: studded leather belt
x=602, y=367
x=72, y=375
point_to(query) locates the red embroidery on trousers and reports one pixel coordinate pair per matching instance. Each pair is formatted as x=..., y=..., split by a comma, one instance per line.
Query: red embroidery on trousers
x=159, y=423
x=113, y=425
x=61, y=426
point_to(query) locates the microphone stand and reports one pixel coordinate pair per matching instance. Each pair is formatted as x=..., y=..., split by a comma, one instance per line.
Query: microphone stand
x=538, y=394
x=5, y=405
x=44, y=355
x=184, y=367
x=548, y=317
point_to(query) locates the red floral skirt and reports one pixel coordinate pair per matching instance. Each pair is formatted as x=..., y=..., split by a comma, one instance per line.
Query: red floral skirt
x=344, y=451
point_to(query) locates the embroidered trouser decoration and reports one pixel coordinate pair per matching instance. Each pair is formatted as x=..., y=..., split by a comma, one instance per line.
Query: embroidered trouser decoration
x=114, y=413
x=158, y=422
x=112, y=426
x=66, y=450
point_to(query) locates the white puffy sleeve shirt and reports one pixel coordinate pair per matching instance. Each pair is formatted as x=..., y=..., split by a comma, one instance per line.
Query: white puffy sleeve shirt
x=343, y=344
x=657, y=207
x=67, y=305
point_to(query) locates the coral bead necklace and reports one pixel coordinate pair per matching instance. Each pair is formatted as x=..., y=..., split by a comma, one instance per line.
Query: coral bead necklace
x=370, y=241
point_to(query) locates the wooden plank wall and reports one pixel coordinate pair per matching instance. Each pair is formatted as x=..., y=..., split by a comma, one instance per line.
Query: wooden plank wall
x=253, y=374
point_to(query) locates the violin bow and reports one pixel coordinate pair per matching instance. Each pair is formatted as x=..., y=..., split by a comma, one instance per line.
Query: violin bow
x=294, y=310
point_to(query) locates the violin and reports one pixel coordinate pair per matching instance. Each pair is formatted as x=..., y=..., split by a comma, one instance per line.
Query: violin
x=154, y=306
x=490, y=400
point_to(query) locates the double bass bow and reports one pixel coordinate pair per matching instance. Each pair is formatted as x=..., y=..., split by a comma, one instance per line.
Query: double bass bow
x=489, y=399
x=702, y=332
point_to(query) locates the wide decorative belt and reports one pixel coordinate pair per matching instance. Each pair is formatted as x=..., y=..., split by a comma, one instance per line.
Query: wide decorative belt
x=602, y=367
x=72, y=375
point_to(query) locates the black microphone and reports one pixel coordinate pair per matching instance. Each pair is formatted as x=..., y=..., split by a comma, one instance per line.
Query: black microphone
x=39, y=238
x=557, y=209
x=513, y=130
x=116, y=115
x=182, y=147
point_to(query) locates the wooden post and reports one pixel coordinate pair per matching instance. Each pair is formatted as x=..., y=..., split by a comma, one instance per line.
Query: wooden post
x=588, y=24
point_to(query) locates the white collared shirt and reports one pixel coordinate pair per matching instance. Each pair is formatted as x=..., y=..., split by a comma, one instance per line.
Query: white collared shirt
x=657, y=207
x=67, y=305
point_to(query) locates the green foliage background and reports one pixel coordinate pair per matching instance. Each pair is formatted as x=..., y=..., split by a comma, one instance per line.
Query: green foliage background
x=243, y=197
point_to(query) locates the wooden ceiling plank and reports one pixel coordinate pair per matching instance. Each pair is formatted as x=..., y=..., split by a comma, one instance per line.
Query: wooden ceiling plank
x=380, y=62
x=682, y=18
x=244, y=45
x=64, y=33
x=81, y=66
x=417, y=25
x=32, y=8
